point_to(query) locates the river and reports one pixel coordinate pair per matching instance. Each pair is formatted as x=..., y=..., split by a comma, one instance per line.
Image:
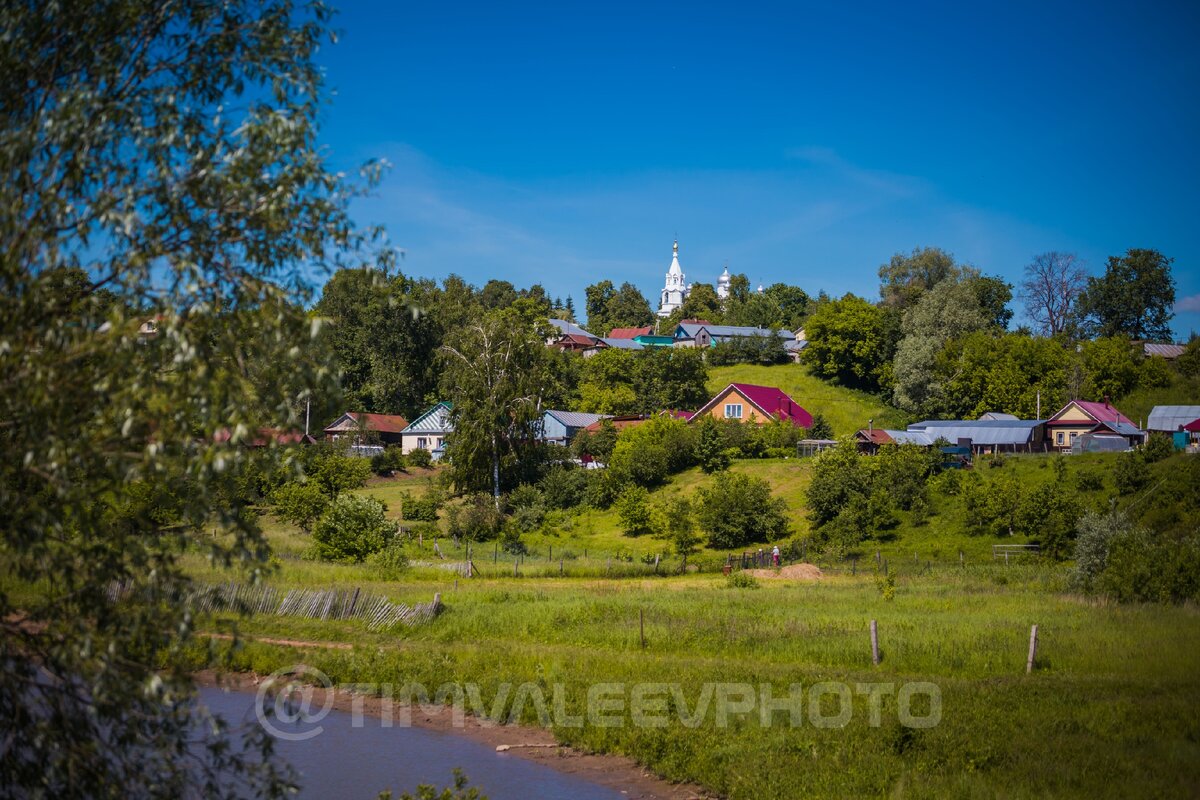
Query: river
x=349, y=762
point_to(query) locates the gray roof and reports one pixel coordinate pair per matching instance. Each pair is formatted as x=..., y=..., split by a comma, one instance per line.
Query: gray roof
x=980, y=431
x=729, y=331
x=993, y=415
x=1170, y=418
x=1164, y=350
x=1124, y=428
x=624, y=344
x=568, y=328
x=434, y=420
x=911, y=437
x=795, y=345
x=577, y=419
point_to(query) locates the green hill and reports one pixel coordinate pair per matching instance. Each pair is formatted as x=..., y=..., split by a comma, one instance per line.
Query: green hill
x=846, y=409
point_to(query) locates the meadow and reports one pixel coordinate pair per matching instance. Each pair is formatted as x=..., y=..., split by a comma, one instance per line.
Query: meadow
x=1109, y=710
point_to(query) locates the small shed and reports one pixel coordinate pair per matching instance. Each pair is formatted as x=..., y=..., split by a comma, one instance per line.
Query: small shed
x=560, y=427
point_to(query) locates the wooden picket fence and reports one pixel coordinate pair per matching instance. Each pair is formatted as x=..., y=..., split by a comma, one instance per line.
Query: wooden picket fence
x=379, y=612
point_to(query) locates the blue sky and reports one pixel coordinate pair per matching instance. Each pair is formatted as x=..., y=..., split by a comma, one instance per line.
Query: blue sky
x=565, y=143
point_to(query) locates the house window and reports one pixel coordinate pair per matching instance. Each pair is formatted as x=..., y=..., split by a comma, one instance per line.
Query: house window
x=1073, y=435
x=439, y=443
x=733, y=411
x=1058, y=438
x=422, y=443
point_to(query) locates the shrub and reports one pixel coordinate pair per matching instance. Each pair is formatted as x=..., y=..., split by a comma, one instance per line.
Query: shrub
x=419, y=509
x=351, y=529
x=742, y=580
x=820, y=429
x=390, y=563
x=300, y=503
x=1095, y=534
x=1089, y=481
x=603, y=488
x=525, y=496
x=420, y=458
x=739, y=509
x=478, y=519
x=564, y=487
x=1155, y=373
x=886, y=585
x=1050, y=513
x=839, y=479
x=1150, y=566
x=389, y=461
x=1158, y=447
x=1130, y=473
x=633, y=511
x=336, y=473
x=710, y=447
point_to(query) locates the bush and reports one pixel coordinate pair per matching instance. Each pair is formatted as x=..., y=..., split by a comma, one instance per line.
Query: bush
x=742, y=580
x=1148, y=566
x=420, y=458
x=1095, y=534
x=1051, y=514
x=390, y=563
x=634, y=512
x=840, y=478
x=351, y=529
x=477, y=519
x=564, y=487
x=419, y=509
x=1130, y=473
x=300, y=503
x=1158, y=447
x=389, y=461
x=603, y=488
x=710, y=447
x=739, y=509
x=336, y=473
x=821, y=429
x=1089, y=481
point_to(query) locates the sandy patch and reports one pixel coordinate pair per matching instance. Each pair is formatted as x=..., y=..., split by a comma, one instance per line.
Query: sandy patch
x=792, y=572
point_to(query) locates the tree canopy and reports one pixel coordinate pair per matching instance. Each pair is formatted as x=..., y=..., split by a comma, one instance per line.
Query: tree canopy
x=1134, y=297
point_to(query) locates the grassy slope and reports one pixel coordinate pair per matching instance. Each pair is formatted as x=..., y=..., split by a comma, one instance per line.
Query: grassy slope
x=846, y=409
x=1108, y=713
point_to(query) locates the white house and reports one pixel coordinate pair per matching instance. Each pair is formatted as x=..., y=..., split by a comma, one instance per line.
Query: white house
x=428, y=431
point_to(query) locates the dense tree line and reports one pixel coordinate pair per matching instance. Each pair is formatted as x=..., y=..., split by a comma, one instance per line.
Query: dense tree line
x=937, y=343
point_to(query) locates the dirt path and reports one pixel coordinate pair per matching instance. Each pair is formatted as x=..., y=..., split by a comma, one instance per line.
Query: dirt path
x=531, y=743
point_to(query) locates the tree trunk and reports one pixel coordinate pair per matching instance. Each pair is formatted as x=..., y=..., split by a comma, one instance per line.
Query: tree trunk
x=496, y=471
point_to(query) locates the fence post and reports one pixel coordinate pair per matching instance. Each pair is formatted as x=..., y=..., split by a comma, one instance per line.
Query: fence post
x=1032, y=649
x=874, y=643
x=353, y=601
x=551, y=556
x=642, y=626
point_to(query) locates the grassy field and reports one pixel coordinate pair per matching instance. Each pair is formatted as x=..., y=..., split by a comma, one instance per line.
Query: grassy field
x=846, y=410
x=1109, y=711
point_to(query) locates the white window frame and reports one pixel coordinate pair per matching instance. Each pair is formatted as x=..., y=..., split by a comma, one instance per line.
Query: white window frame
x=733, y=410
x=1058, y=438
x=422, y=443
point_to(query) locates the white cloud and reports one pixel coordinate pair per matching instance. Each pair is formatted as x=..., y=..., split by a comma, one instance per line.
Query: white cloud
x=1189, y=303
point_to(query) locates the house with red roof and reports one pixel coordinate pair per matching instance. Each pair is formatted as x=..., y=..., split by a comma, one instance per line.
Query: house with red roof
x=357, y=425
x=747, y=402
x=630, y=333
x=1082, y=416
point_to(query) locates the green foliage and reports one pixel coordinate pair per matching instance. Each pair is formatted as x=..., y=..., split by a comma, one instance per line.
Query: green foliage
x=352, y=528
x=420, y=457
x=1147, y=566
x=389, y=461
x=848, y=343
x=749, y=350
x=905, y=278
x=383, y=350
x=739, y=509
x=460, y=791
x=391, y=562
x=983, y=372
x=1133, y=298
x=477, y=519
x=1050, y=513
x=645, y=381
x=710, y=446
x=633, y=510
x=840, y=478
x=1110, y=366
x=496, y=369
x=1096, y=532
x=419, y=509
x=646, y=454
x=1158, y=446
x=680, y=529
x=742, y=580
x=820, y=429
x=300, y=503
x=885, y=584
x=1130, y=473
x=1155, y=373
x=171, y=151
x=336, y=473
x=609, y=308
x=563, y=487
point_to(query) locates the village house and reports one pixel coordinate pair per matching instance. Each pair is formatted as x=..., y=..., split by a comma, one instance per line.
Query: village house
x=361, y=428
x=698, y=333
x=429, y=431
x=747, y=402
x=559, y=427
x=1081, y=416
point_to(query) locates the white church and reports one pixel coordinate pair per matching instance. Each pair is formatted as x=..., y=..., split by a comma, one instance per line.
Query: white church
x=676, y=289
